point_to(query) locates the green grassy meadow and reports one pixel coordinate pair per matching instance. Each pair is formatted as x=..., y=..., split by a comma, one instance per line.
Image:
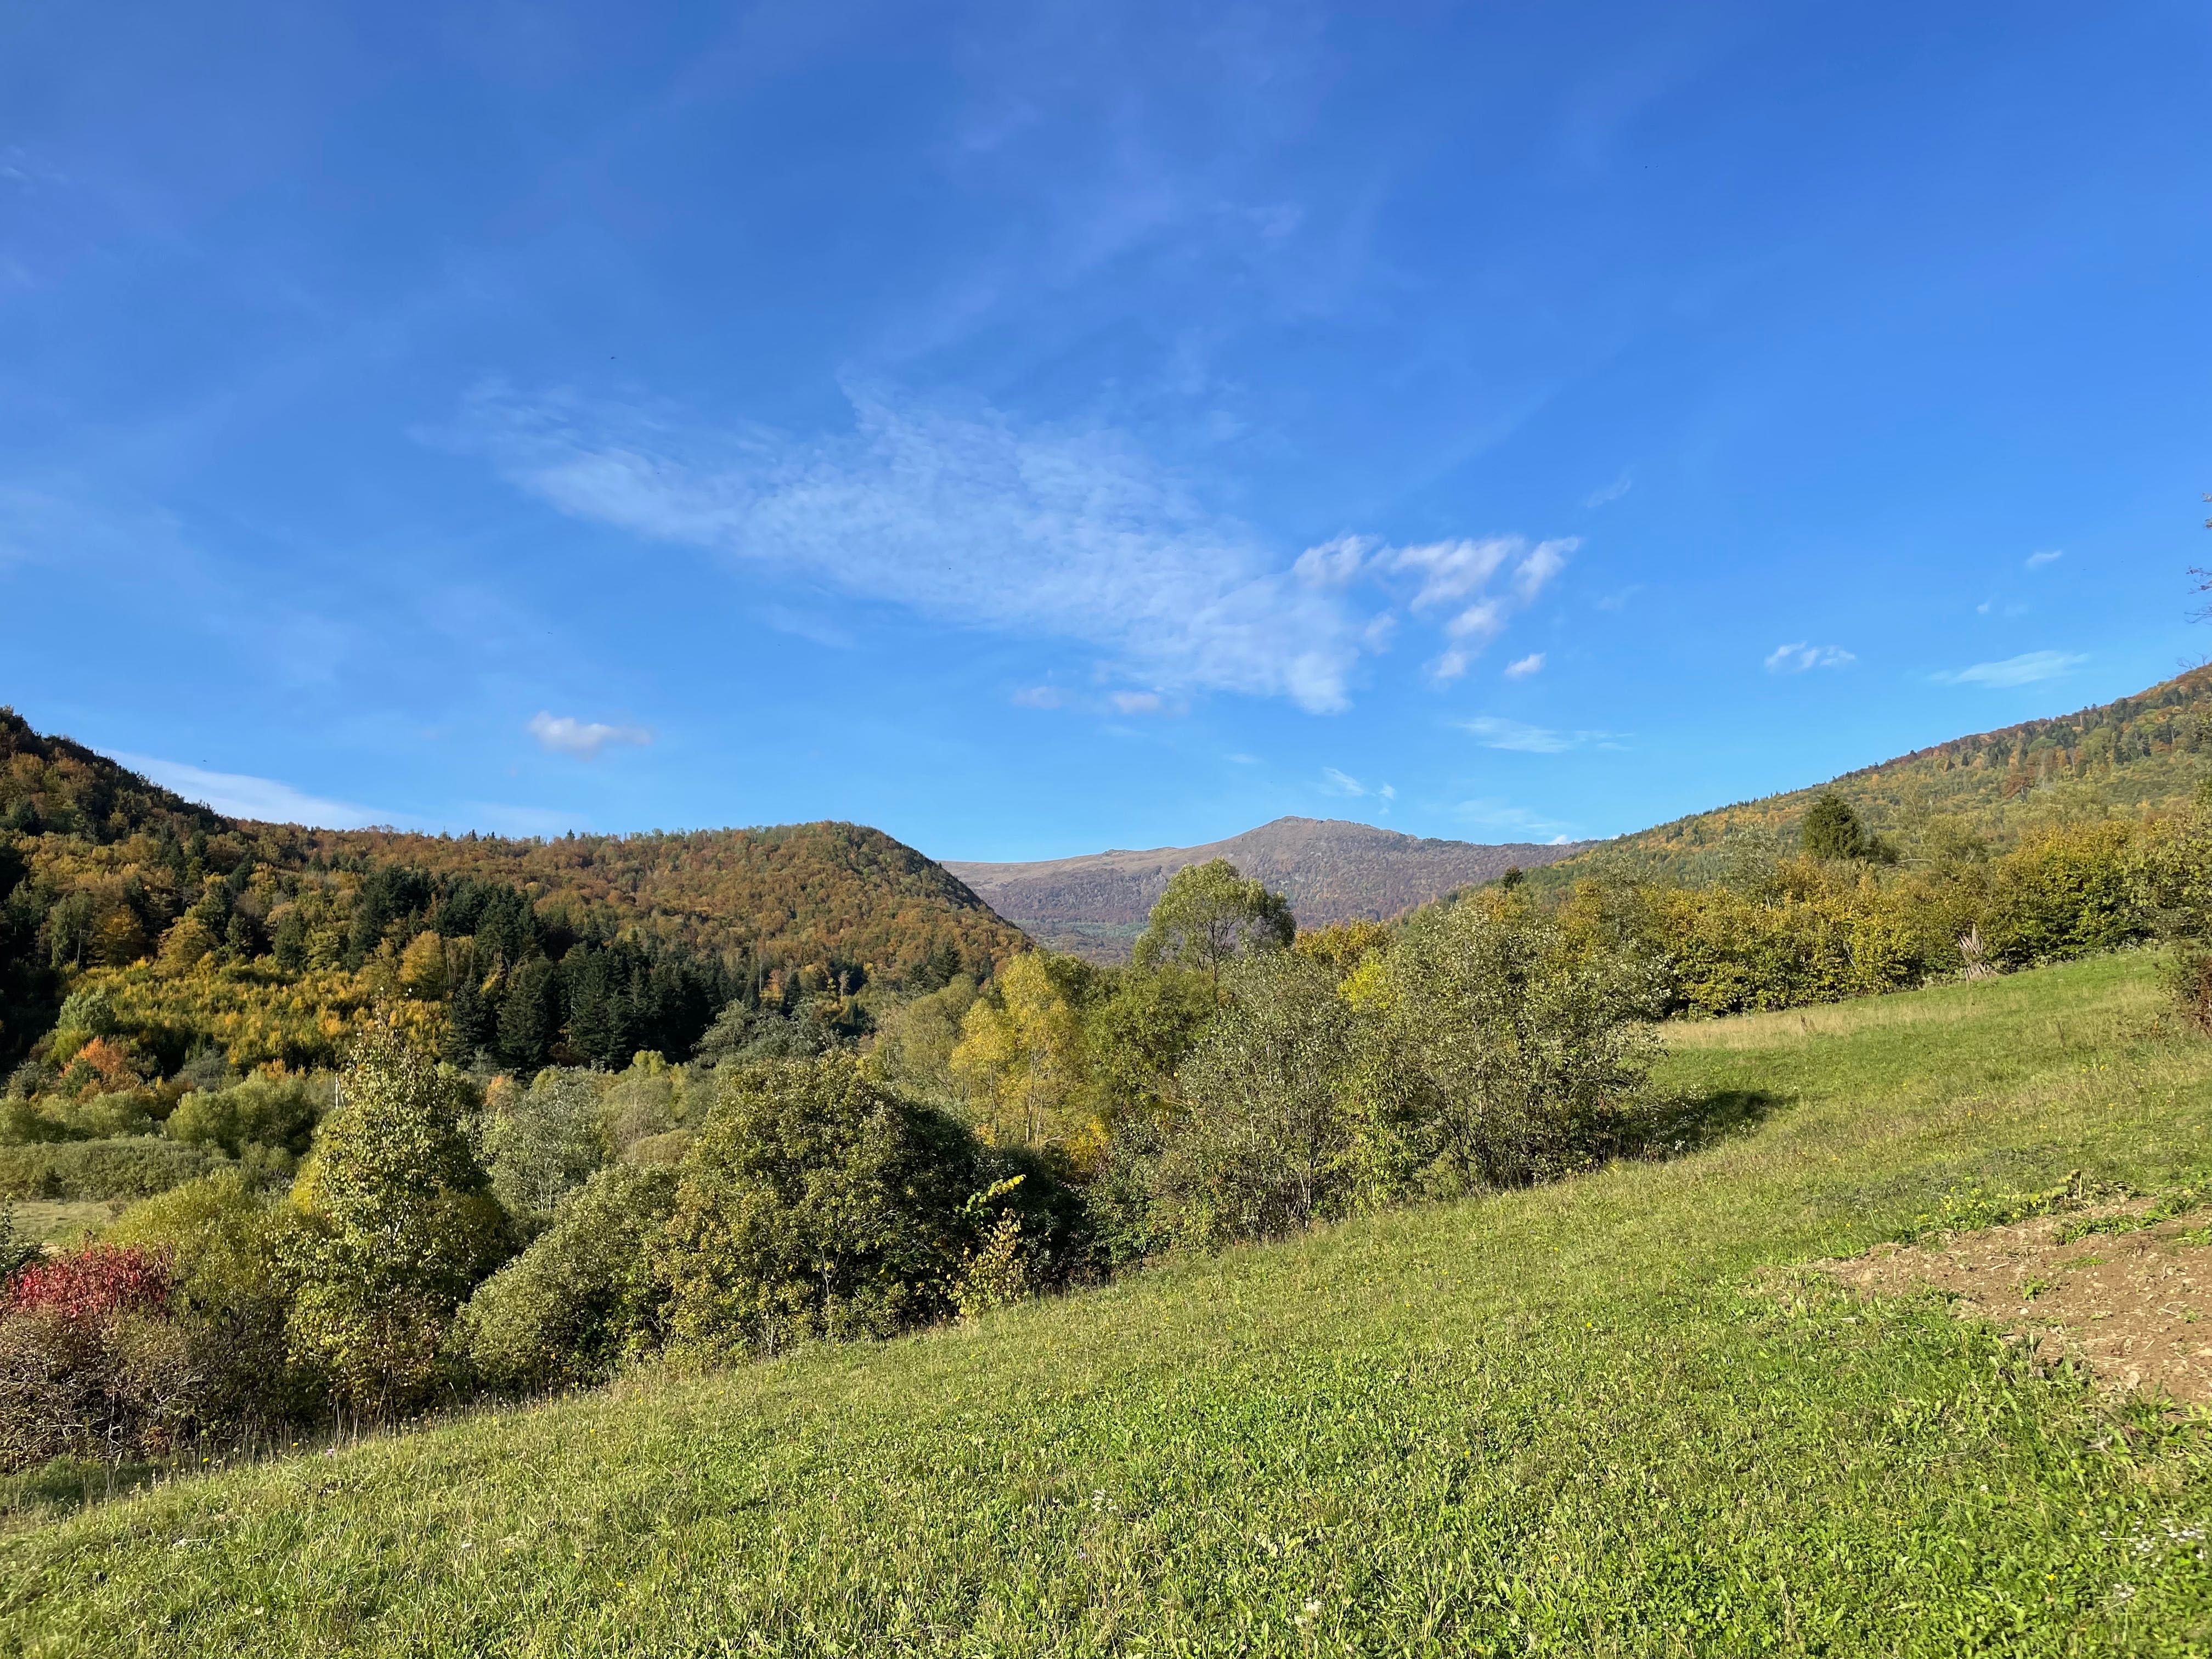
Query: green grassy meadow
x=1584, y=1419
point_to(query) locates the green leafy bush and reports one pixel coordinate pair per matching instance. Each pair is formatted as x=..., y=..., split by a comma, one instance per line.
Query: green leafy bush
x=544, y=1141
x=1266, y=1140
x=398, y=1226
x=127, y=1166
x=230, y=1250
x=1504, y=1055
x=817, y=1203
x=584, y=1297
x=262, y=1111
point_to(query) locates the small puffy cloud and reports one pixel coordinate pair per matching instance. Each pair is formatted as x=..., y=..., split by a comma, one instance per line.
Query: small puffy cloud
x=1388, y=792
x=2049, y=556
x=1531, y=664
x=1038, y=696
x=1800, y=657
x=1137, y=702
x=561, y=734
x=2023, y=669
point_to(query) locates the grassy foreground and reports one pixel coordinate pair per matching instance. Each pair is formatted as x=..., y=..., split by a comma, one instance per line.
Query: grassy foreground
x=1579, y=1421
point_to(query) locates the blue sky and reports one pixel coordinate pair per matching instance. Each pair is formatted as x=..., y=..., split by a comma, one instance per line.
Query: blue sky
x=1036, y=428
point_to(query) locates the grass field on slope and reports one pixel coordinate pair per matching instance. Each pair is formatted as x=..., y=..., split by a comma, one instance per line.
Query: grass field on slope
x=1576, y=1420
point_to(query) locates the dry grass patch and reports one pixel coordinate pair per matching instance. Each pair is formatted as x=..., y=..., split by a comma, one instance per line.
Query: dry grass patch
x=2128, y=1295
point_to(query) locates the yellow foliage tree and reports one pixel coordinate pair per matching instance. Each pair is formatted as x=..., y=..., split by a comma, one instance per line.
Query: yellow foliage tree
x=1018, y=1056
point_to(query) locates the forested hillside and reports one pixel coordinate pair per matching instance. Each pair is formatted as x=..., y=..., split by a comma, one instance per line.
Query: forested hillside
x=170, y=930
x=1329, y=870
x=2143, y=752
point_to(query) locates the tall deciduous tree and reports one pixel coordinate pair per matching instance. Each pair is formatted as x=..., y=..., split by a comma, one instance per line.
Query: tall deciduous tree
x=1210, y=914
x=1019, y=1050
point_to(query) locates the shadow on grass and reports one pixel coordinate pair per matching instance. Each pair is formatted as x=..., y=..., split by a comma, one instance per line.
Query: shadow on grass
x=59, y=1488
x=1682, y=1124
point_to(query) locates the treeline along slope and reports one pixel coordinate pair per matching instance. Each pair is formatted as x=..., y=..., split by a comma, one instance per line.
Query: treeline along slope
x=2144, y=753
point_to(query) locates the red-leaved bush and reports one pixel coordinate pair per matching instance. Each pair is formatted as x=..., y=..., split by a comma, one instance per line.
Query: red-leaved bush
x=91, y=1283
x=92, y=1362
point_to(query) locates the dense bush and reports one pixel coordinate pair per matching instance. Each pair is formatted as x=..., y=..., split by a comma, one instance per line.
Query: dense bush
x=584, y=1297
x=130, y=1166
x=230, y=1250
x=1505, y=1054
x=278, y=1112
x=91, y=1364
x=543, y=1142
x=1266, y=1140
x=1806, y=930
x=398, y=1226
x=816, y=1203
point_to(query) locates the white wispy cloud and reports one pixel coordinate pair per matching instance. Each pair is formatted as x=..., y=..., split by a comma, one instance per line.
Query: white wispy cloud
x=241, y=795
x=1335, y=782
x=2023, y=669
x=1531, y=664
x=1517, y=821
x=1075, y=533
x=2049, y=556
x=971, y=517
x=1612, y=492
x=1453, y=577
x=1039, y=696
x=1800, y=657
x=1137, y=702
x=563, y=735
x=1494, y=732
x=802, y=626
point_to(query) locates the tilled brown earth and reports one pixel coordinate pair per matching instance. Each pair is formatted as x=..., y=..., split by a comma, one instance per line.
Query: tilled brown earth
x=2135, y=1306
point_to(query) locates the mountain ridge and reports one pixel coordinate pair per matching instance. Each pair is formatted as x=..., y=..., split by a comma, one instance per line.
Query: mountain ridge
x=1330, y=869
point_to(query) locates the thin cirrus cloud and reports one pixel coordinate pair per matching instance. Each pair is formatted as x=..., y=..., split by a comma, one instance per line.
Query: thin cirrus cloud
x=1343, y=783
x=1801, y=657
x=240, y=795
x=2049, y=556
x=1494, y=732
x=1610, y=493
x=562, y=734
x=1531, y=664
x=969, y=518
x=1495, y=816
x=2026, y=669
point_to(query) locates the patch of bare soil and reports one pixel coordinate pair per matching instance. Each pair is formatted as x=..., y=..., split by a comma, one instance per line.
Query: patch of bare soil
x=2135, y=1306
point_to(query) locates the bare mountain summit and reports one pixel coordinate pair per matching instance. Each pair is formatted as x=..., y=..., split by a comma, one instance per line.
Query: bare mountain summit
x=1330, y=870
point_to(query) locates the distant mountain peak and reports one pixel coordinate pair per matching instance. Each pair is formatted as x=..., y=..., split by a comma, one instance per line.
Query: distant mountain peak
x=1331, y=870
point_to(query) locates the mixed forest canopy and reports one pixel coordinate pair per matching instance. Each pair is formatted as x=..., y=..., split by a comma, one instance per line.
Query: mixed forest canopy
x=180, y=931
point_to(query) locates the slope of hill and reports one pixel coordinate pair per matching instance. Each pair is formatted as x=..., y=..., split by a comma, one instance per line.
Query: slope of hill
x=2147, y=752
x=1612, y=1414
x=1330, y=870
x=100, y=869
